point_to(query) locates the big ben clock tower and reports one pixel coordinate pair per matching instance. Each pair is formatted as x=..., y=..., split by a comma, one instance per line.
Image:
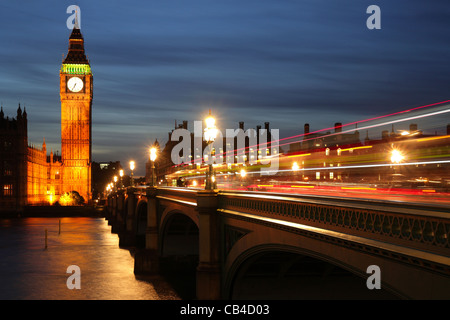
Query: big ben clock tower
x=76, y=84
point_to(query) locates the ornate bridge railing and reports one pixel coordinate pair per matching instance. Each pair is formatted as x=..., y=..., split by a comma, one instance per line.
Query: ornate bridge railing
x=409, y=233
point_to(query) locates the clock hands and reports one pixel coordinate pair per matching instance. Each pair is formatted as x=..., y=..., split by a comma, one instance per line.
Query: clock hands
x=75, y=84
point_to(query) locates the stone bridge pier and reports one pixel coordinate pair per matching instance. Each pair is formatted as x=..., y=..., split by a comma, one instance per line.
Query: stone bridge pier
x=149, y=222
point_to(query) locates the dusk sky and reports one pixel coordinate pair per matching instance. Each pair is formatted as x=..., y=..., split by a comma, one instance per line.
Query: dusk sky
x=286, y=62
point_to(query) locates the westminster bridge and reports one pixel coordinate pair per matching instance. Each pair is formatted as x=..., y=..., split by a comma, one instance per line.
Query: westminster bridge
x=252, y=245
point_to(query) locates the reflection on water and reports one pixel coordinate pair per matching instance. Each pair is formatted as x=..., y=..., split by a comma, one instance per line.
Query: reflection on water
x=29, y=271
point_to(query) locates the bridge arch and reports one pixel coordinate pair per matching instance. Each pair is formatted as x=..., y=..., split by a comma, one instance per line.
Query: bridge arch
x=276, y=271
x=179, y=252
x=179, y=235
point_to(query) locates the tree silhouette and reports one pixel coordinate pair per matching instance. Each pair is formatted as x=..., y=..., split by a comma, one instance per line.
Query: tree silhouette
x=71, y=198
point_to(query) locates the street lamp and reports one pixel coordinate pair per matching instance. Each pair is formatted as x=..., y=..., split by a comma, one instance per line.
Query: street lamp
x=295, y=168
x=121, y=178
x=243, y=174
x=131, y=176
x=152, y=159
x=210, y=136
x=115, y=183
x=396, y=156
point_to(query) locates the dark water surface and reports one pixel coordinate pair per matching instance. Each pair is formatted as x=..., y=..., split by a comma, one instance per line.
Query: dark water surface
x=30, y=271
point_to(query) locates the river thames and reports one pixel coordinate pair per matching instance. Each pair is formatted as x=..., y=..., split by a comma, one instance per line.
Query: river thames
x=31, y=271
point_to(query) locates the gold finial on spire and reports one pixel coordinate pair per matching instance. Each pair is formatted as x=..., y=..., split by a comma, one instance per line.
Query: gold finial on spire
x=76, y=25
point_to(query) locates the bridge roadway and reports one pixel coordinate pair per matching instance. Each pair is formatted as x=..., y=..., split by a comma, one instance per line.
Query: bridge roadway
x=258, y=245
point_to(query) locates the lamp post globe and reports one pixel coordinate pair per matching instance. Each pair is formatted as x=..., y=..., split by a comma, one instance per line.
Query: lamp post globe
x=131, y=176
x=121, y=178
x=152, y=159
x=210, y=136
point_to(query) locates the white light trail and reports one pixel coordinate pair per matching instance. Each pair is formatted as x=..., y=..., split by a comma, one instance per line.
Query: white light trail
x=363, y=166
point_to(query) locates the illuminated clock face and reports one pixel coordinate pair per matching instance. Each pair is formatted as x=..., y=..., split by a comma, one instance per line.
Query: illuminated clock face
x=75, y=84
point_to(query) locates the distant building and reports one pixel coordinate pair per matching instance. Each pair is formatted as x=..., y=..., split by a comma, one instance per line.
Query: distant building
x=103, y=174
x=13, y=160
x=27, y=175
x=318, y=140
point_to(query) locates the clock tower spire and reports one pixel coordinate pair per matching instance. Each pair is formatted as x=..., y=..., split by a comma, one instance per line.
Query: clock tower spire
x=76, y=92
x=76, y=54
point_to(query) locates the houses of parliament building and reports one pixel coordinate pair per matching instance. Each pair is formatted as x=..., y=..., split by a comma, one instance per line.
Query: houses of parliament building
x=29, y=175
